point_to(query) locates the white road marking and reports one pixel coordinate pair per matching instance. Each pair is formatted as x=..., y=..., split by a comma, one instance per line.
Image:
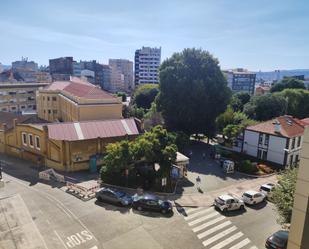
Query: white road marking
x=198, y=213
x=219, y=236
x=253, y=247
x=190, y=210
x=203, y=218
x=198, y=228
x=227, y=241
x=60, y=239
x=94, y=247
x=61, y=208
x=50, y=197
x=241, y=244
x=214, y=229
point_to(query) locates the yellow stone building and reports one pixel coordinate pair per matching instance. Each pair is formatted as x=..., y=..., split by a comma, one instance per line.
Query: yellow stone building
x=299, y=232
x=76, y=100
x=63, y=146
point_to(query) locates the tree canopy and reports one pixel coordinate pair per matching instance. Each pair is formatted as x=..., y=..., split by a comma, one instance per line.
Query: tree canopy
x=265, y=107
x=288, y=83
x=283, y=195
x=238, y=101
x=193, y=92
x=144, y=95
x=297, y=102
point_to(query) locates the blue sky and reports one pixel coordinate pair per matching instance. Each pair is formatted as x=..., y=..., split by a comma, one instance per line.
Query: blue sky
x=258, y=35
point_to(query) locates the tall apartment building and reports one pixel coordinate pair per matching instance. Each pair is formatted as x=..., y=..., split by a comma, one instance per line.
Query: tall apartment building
x=107, y=77
x=147, y=62
x=122, y=69
x=61, y=68
x=19, y=97
x=96, y=68
x=24, y=64
x=299, y=231
x=241, y=80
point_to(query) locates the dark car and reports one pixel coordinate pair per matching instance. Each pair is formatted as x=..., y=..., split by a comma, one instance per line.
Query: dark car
x=279, y=240
x=113, y=196
x=152, y=203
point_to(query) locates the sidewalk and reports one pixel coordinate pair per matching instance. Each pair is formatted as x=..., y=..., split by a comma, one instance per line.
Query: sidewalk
x=207, y=198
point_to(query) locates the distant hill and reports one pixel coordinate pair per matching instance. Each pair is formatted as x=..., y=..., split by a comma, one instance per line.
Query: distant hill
x=279, y=74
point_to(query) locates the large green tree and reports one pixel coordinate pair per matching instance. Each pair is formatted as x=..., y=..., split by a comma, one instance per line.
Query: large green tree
x=265, y=107
x=297, y=102
x=283, y=195
x=239, y=100
x=193, y=92
x=288, y=83
x=144, y=95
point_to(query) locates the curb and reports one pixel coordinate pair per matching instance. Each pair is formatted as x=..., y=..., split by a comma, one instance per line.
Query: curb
x=255, y=176
x=135, y=190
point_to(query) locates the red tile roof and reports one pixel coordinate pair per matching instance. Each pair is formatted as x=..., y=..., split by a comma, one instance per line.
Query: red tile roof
x=80, y=88
x=92, y=129
x=305, y=121
x=289, y=127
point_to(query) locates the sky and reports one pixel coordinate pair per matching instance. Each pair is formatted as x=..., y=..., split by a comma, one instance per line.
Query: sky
x=254, y=34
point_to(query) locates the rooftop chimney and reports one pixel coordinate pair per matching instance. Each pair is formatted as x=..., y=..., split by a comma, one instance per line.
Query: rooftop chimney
x=277, y=127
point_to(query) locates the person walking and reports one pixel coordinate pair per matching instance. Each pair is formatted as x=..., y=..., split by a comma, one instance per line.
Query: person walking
x=198, y=182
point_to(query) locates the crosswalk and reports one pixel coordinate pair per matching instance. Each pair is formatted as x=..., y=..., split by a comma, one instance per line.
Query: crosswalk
x=214, y=230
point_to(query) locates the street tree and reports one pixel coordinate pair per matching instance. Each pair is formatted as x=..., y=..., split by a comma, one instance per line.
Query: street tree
x=265, y=107
x=238, y=101
x=193, y=92
x=144, y=95
x=283, y=195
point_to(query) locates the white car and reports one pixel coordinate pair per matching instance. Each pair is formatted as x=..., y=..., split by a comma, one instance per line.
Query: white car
x=267, y=190
x=227, y=202
x=253, y=197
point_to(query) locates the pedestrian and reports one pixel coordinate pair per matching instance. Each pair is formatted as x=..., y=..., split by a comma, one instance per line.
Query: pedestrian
x=204, y=155
x=0, y=173
x=198, y=182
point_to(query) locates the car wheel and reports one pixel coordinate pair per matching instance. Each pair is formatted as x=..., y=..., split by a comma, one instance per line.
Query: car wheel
x=139, y=208
x=224, y=210
x=254, y=202
x=163, y=211
x=264, y=199
x=242, y=207
x=100, y=199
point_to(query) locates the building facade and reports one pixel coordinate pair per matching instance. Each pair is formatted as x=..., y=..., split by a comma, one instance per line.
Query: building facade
x=147, y=62
x=64, y=146
x=25, y=65
x=241, y=80
x=76, y=100
x=61, y=68
x=19, y=97
x=278, y=141
x=124, y=67
x=299, y=230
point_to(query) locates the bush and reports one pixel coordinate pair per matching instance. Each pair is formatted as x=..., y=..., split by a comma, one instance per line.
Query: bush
x=247, y=167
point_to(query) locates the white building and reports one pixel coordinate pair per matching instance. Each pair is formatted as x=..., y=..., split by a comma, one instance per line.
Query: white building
x=147, y=63
x=125, y=68
x=278, y=140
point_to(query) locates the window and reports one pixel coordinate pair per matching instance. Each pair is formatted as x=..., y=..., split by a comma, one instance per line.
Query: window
x=260, y=138
x=54, y=111
x=291, y=160
x=43, y=98
x=49, y=111
x=48, y=98
x=44, y=111
x=296, y=158
x=23, y=107
x=54, y=98
x=24, y=138
x=30, y=140
x=298, y=141
x=266, y=140
x=37, y=143
x=293, y=143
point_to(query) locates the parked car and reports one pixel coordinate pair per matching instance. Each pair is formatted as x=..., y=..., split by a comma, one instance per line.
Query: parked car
x=113, y=196
x=227, y=202
x=267, y=190
x=252, y=197
x=279, y=240
x=152, y=203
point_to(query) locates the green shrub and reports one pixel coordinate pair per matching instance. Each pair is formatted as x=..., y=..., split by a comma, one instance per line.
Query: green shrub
x=247, y=167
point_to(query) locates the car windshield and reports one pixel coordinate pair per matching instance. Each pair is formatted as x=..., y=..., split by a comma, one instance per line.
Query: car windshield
x=247, y=195
x=220, y=201
x=120, y=194
x=277, y=240
x=265, y=189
